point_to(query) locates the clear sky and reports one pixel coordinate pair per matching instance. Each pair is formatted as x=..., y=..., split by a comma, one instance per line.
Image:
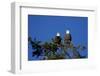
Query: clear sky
x=44, y=28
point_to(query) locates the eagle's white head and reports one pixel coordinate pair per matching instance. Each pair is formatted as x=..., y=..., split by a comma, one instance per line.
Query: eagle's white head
x=58, y=34
x=67, y=31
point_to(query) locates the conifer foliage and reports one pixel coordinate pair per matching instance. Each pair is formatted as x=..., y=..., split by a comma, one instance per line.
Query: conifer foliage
x=58, y=48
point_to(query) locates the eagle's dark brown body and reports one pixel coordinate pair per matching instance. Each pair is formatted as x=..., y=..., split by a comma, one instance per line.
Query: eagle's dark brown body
x=67, y=38
x=57, y=40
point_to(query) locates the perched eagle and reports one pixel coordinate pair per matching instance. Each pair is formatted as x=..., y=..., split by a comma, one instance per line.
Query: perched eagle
x=68, y=37
x=57, y=39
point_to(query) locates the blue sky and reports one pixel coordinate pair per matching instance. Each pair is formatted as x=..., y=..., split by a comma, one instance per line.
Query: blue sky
x=44, y=28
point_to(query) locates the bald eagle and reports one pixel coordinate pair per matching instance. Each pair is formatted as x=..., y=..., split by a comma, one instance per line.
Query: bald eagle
x=58, y=39
x=68, y=37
